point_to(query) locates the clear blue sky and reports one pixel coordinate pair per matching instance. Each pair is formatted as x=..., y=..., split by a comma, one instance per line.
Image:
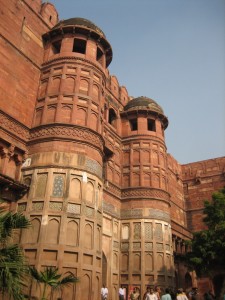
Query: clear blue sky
x=172, y=51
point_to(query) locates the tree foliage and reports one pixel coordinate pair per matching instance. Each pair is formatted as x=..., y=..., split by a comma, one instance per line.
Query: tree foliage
x=13, y=266
x=208, y=246
x=50, y=277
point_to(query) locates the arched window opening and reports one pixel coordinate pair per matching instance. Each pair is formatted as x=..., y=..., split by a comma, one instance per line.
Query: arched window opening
x=56, y=46
x=151, y=125
x=79, y=46
x=162, y=129
x=112, y=117
x=99, y=56
x=133, y=124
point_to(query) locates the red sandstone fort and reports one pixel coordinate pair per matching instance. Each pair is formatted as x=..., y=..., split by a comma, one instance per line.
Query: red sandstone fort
x=88, y=164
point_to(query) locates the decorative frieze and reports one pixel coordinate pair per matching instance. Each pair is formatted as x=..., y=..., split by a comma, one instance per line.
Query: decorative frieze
x=159, y=215
x=67, y=131
x=14, y=127
x=145, y=193
x=131, y=213
x=110, y=209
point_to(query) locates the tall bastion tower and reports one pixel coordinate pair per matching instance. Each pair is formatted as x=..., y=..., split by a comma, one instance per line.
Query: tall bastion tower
x=97, y=171
x=88, y=164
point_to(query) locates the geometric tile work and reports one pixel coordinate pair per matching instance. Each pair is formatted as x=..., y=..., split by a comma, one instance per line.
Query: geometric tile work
x=58, y=186
x=158, y=214
x=57, y=206
x=158, y=232
x=137, y=231
x=37, y=205
x=73, y=208
x=148, y=231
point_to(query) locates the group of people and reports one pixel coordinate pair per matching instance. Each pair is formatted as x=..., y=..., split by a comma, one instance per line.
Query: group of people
x=156, y=294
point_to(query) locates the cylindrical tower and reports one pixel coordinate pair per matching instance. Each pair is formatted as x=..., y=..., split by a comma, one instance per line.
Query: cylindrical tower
x=64, y=168
x=146, y=245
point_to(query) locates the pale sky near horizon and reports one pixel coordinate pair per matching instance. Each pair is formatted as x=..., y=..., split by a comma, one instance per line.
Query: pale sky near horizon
x=172, y=51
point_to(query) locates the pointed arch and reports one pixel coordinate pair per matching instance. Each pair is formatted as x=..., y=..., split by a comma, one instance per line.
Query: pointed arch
x=52, y=235
x=88, y=233
x=75, y=189
x=34, y=231
x=84, y=86
x=66, y=113
x=96, y=92
x=72, y=233
x=89, y=192
x=86, y=287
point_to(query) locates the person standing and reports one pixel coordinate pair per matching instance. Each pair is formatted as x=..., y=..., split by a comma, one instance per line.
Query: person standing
x=135, y=295
x=181, y=295
x=121, y=293
x=104, y=292
x=150, y=295
x=166, y=296
x=158, y=292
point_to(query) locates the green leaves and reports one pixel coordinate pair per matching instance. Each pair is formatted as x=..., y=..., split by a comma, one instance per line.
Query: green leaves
x=208, y=246
x=13, y=266
x=50, y=277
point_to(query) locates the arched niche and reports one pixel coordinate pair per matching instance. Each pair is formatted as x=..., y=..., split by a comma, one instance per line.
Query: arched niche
x=34, y=231
x=115, y=260
x=137, y=262
x=104, y=269
x=94, y=121
x=160, y=263
x=41, y=185
x=148, y=262
x=89, y=192
x=68, y=86
x=54, y=85
x=125, y=262
x=52, y=235
x=84, y=86
x=98, y=239
x=72, y=233
x=66, y=113
x=75, y=189
x=96, y=93
x=88, y=234
x=50, y=114
x=125, y=232
x=81, y=116
x=85, y=283
x=38, y=116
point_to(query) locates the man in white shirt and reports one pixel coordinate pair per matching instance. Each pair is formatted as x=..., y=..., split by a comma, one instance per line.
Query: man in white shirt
x=104, y=292
x=150, y=295
x=121, y=293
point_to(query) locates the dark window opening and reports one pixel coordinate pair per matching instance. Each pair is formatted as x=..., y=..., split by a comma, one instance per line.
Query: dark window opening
x=151, y=125
x=162, y=128
x=112, y=117
x=50, y=18
x=99, y=56
x=79, y=46
x=56, y=46
x=133, y=124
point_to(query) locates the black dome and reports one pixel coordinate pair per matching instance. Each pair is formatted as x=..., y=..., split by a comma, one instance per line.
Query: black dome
x=144, y=103
x=79, y=22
